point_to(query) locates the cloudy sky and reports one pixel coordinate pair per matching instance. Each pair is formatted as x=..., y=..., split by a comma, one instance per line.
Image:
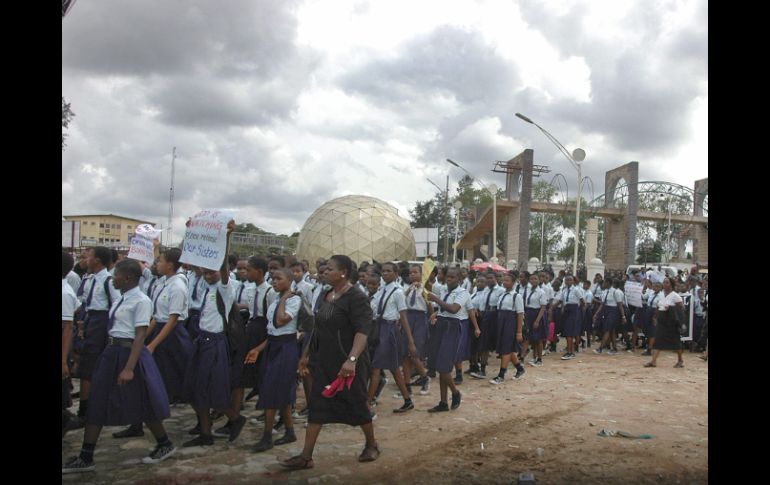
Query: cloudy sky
x=276, y=106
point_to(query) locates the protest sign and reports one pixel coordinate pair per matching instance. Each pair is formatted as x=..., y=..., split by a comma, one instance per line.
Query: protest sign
x=205, y=240
x=141, y=243
x=633, y=292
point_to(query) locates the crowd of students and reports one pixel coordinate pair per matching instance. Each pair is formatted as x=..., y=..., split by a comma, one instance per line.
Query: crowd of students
x=140, y=337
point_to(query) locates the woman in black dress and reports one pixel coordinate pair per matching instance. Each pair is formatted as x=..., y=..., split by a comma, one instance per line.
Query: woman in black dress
x=342, y=326
x=668, y=313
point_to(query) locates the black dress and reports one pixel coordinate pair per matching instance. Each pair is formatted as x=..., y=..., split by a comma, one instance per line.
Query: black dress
x=336, y=324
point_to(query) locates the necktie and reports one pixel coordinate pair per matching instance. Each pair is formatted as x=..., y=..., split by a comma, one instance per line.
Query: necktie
x=566, y=299
x=414, y=297
x=81, y=286
x=149, y=287
x=240, y=292
x=380, y=305
x=114, y=311
x=530, y=295
x=203, y=302
x=91, y=291
x=256, y=299
x=195, y=288
x=489, y=295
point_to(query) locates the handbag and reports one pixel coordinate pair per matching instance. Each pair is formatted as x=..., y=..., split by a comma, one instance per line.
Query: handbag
x=681, y=325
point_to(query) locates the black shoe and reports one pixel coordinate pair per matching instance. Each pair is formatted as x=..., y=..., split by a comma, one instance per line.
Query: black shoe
x=380, y=386
x=456, y=399
x=196, y=430
x=253, y=393
x=132, y=431
x=223, y=432
x=420, y=380
x=75, y=422
x=261, y=417
x=236, y=427
x=289, y=437
x=406, y=407
x=441, y=407
x=200, y=440
x=77, y=465
x=432, y=374
x=305, y=412
x=647, y=352
x=75, y=395
x=458, y=380
x=519, y=373
x=263, y=445
x=278, y=425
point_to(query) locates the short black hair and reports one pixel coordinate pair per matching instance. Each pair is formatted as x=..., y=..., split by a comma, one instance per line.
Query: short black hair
x=281, y=260
x=67, y=262
x=258, y=263
x=232, y=259
x=297, y=263
x=172, y=256
x=344, y=263
x=104, y=255
x=131, y=268
x=114, y=254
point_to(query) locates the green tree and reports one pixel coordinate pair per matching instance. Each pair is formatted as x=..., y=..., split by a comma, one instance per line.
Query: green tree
x=66, y=117
x=649, y=253
x=544, y=229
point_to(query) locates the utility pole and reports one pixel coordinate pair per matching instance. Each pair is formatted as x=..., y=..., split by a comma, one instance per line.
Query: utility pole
x=171, y=196
x=446, y=222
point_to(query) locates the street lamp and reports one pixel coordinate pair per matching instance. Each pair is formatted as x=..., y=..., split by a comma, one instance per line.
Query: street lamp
x=668, y=232
x=577, y=156
x=457, y=205
x=446, y=216
x=492, y=189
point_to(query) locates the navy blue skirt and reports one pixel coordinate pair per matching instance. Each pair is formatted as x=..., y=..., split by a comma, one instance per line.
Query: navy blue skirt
x=558, y=319
x=588, y=321
x=464, y=344
x=66, y=389
x=386, y=355
x=193, y=323
x=256, y=333
x=143, y=399
x=535, y=334
x=173, y=357
x=418, y=322
x=610, y=318
x=445, y=339
x=279, y=372
x=573, y=320
x=697, y=328
x=94, y=342
x=77, y=342
x=207, y=381
x=488, y=338
x=507, y=323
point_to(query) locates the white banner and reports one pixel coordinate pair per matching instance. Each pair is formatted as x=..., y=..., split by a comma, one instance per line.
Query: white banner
x=633, y=292
x=205, y=240
x=142, y=248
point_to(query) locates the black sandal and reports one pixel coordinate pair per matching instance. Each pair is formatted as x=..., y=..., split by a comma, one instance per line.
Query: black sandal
x=296, y=463
x=370, y=453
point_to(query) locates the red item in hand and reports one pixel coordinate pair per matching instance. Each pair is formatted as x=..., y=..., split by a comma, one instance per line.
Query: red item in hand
x=337, y=385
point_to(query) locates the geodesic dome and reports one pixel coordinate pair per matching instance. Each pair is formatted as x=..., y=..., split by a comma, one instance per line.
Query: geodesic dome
x=363, y=228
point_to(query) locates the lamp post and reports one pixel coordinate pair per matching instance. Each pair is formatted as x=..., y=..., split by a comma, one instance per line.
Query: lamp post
x=577, y=156
x=668, y=231
x=492, y=189
x=446, y=216
x=457, y=205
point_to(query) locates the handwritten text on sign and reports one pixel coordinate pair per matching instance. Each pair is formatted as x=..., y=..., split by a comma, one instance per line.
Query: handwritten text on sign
x=141, y=243
x=633, y=292
x=205, y=240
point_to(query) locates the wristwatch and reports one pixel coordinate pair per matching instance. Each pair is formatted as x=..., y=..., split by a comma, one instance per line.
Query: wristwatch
x=352, y=358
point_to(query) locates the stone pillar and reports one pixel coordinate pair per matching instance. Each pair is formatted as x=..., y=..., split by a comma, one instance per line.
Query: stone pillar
x=700, y=244
x=592, y=239
x=517, y=237
x=620, y=240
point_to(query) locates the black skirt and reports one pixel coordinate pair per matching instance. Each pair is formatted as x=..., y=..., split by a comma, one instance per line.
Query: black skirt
x=667, y=331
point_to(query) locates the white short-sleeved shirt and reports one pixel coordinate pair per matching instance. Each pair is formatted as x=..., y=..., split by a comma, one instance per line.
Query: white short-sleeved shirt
x=259, y=292
x=74, y=280
x=596, y=289
x=211, y=319
x=494, y=296
x=149, y=285
x=133, y=309
x=241, y=290
x=612, y=296
x=572, y=295
x=519, y=288
x=665, y=301
x=652, y=299
x=467, y=285
x=305, y=288
x=99, y=299
x=171, y=299
x=459, y=296
x=195, y=280
x=395, y=304
x=69, y=302
x=534, y=298
x=291, y=308
x=588, y=297
x=548, y=289
x=144, y=280
x=438, y=288
x=510, y=300
x=419, y=301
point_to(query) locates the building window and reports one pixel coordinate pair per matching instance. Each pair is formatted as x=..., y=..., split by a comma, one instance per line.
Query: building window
x=107, y=231
x=128, y=227
x=101, y=225
x=118, y=226
x=93, y=223
x=101, y=240
x=113, y=226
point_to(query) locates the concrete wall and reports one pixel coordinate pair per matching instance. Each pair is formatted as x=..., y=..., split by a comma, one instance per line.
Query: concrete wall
x=700, y=249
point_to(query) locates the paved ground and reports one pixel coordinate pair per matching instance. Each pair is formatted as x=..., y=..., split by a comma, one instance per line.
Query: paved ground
x=546, y=424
